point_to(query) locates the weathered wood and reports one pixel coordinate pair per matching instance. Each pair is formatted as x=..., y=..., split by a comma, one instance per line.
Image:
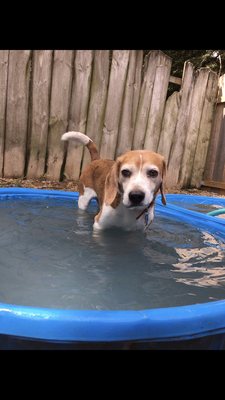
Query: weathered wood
x=221, y=90
x=137, y=83
x=98, y=94
x=79, y=110
x=214, y=172
x=169, y=124
x=219, y=166
x=214, y=184
x=129, y=106
x=177, y=148
x=42, y=63
x=194, y=120
x=59, y=108
x=159, y=93
x=176, y=80
x=213, y=144
x=4, y=57
x=204, y=130
x=17, y=113
x=116, y=88
x=154, y=59
x=119, y=107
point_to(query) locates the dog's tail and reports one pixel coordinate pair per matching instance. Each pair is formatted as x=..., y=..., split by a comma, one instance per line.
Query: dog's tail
x=80, y=138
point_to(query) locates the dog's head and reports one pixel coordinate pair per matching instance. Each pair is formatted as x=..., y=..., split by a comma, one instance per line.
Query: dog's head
x=137, y=176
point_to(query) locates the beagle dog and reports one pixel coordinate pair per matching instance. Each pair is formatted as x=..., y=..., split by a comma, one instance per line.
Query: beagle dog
x=125, y=189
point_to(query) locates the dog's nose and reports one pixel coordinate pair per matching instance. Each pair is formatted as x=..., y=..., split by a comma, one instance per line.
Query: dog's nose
x=136, y=197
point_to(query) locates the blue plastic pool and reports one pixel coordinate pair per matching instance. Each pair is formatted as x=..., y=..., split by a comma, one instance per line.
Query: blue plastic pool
x=196, y=326
x=195, y=203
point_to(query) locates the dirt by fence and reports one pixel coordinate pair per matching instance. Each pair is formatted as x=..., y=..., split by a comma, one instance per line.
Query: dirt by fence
x=118, y=99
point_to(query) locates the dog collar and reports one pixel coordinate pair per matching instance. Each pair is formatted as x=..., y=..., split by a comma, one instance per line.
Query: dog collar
x=145, y=211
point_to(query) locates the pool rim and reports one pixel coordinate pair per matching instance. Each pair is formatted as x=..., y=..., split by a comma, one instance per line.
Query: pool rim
x=160, y=324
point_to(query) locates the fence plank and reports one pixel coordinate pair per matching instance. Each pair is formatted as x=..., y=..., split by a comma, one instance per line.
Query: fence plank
x=213, y=145
x=17, y=113
x=204, y=130
x=176, y=80
x=79, y=110
x=129, y=106
x=154, y=59
x=221, y=89
x=116, y=88
x=4, y=56
x=137, y=84
x=177, y=147
x=214, y=184
x=59, y=109
x=98, y=94
x=194, y=119
x=159, y=93
x=42, y=63
x=169, y=124
x=219, y=167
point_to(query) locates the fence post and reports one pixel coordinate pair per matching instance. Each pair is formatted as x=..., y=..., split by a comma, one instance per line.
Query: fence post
x=17, y=113
x=59, y=110
x=116, y=88
x=4, y=62
x=78, y=109
x=42, y=64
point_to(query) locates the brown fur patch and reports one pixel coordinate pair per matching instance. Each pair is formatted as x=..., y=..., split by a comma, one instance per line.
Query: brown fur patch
x=93, y=151
x=94, y=176
x=80, y=188
x=111, y=185
x=116, y=201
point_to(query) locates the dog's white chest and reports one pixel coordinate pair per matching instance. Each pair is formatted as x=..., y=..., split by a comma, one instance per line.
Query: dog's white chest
x=119, y=217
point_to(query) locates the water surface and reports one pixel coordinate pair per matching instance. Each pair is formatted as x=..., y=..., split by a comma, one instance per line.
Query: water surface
x=50, y=257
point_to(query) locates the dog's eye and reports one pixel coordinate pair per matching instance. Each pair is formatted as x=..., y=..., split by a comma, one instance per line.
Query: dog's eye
x=126, y=173
x=152, y=173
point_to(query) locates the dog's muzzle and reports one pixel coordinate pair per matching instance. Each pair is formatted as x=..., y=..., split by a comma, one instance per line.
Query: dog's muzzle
x=136, y=198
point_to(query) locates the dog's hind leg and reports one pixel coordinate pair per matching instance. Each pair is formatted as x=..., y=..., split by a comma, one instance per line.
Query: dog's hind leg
x=85, y=197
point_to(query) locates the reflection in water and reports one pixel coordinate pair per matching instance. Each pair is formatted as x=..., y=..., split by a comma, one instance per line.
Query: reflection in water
x=196, y=260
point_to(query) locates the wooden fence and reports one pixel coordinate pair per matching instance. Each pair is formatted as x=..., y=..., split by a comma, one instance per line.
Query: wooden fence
x=214, y=173
x=117, y=98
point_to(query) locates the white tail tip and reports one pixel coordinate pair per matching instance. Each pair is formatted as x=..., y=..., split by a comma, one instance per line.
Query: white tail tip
x=78, y=137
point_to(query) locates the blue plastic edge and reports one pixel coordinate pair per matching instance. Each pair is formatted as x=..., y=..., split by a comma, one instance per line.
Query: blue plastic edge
x=172, y=323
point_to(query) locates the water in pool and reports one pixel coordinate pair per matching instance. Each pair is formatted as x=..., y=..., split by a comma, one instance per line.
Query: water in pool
x=199, y=207
x=49, y=257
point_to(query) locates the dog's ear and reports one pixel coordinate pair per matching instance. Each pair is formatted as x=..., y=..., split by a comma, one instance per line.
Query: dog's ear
x=163, y=199
x=111, y=184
